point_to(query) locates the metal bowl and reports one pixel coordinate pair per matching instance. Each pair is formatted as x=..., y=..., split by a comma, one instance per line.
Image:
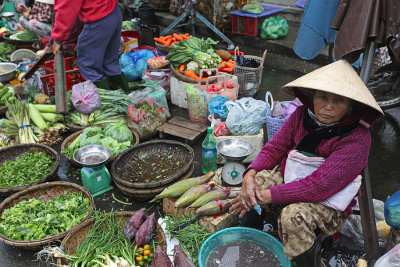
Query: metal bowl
x=10, y=70
x=100, y=155
x=234, y=148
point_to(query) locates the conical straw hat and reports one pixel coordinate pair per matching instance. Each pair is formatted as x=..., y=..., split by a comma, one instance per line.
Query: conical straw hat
x=339, y=78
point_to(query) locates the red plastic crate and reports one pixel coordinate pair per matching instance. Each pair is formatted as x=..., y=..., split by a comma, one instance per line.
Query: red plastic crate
x=72, y=77
x=250, y=24
x=70, y=64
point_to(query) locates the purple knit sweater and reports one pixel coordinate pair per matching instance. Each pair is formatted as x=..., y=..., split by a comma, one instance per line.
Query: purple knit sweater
x=345, y=160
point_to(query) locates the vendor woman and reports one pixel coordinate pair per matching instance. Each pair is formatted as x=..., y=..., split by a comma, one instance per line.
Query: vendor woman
x=321, y=149
x=99, y=41
x=38, y=19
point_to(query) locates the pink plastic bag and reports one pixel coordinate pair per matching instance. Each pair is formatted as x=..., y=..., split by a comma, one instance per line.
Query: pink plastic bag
x=221, y=130
x=85, y=97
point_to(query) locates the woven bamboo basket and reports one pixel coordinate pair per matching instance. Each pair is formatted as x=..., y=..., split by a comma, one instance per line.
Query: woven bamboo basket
x=75, y=128
x=73, y=136
x=17, y=42
x=44, y=192
x=13, y=152
x=148, y=194
x=75, y=237
x=163, y=48
x=143, y=158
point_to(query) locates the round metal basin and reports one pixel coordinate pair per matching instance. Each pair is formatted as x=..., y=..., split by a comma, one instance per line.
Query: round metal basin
x=10, y=70
x=234, y=149
x=92, y=155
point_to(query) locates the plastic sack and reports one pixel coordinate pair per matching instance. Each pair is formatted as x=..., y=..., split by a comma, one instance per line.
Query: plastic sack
x=221, y=130
x=383, y=229
x=253, y=7
x=246, y=116
x=85, y=97
x=392, y=210
x=390, y=259
x=157, y=92
x=217, y=107
x=161, y=76
x=133, y=64
x=274, y=28
x=146, y=116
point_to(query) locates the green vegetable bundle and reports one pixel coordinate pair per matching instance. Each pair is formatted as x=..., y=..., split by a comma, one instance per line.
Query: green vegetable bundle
x=35, y=219
x=5, y=50
x=7, y=94
x=26, y=169
x=198, y=50
x=24, y=36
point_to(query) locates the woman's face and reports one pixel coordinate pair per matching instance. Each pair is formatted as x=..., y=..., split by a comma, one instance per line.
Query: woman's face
x=330, y=108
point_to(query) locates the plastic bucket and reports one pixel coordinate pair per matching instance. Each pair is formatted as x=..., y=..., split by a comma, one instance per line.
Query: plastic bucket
x=146, y=14
x=239, y=233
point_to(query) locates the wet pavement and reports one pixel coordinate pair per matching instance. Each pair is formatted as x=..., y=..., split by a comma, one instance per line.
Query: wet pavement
x=384, y=171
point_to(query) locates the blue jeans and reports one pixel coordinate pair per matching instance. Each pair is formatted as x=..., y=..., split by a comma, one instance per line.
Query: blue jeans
x=98, y=47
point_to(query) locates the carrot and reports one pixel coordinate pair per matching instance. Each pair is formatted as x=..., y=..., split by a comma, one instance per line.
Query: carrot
x=229, y=65
x=159, y=40
x=177, y=37
x=173, y=42
x=222, y=64
x=182, y=67
x=227, y=69
x=166, y=37
x=191, y=74
x=168, y=42
x=186, y=37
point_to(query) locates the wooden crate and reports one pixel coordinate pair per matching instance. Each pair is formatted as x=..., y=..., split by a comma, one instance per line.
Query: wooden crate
x=179, y=127
x=212, y=224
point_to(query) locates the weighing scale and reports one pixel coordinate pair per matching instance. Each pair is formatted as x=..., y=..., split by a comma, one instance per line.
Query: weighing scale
x=234, y=151
x=95, y=175
x=9, y=21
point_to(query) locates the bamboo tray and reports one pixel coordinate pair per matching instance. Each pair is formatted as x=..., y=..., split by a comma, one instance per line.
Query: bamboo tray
x=75, y=237
x=44, y=192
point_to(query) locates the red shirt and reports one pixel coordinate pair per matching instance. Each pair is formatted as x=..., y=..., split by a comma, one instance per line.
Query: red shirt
x=88, y=11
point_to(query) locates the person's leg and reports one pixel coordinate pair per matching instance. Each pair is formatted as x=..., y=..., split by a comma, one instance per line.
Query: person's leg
x=110, y=64
x=92, y=47
x=299, y=221
x=39, y=28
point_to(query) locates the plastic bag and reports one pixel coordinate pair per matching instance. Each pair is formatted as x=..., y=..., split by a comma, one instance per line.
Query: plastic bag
x=383, y=229
x=161, y=76
x=253, y=8
x=392, y=210
x=155, y=91
x=246, y=116
x=85, y=97
x=274, y=28
x=390, y=259
x=146, y=116
x=133, y=64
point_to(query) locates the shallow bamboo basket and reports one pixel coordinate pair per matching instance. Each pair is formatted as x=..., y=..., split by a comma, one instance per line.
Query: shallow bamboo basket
x=74, y=238
x=44, y=192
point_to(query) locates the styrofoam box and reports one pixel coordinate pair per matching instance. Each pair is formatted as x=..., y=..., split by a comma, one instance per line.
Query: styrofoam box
x=178, y=89
x=256, y=140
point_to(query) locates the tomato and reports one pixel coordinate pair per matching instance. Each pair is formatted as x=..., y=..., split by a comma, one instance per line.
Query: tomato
x=151, y=255
x=145, y=258
x=139, y=258
x=147, y=246
x=147, y=252
x=141, y=263
x=141, y=250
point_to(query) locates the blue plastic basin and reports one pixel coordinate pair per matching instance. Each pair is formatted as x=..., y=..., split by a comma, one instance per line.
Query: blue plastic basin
x=239, y=233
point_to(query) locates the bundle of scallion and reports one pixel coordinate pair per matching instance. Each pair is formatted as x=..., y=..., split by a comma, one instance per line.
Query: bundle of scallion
x=21, y=123
x=98, y=117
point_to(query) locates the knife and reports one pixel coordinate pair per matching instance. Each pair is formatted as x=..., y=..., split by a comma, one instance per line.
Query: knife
x=180, y=227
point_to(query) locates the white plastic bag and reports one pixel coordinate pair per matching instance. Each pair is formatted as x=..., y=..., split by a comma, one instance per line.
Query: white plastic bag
x=246, y=116
x=390, y=259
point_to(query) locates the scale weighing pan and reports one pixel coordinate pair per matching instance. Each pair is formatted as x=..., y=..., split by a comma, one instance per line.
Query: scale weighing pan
x=234, y=149
x=92, y=155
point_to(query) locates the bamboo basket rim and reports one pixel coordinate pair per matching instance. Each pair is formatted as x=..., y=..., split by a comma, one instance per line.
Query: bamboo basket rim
x=166, y=180
x=67, y=141
x=75, y=128
x=88, y=223
x=43, y=189
x=7, y=39
x=147, y=194
x=24, y=148
x=163, y=48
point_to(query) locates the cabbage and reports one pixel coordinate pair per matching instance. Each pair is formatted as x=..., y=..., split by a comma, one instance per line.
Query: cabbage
x=120, y=132
x=115, y=146
x=91, y=136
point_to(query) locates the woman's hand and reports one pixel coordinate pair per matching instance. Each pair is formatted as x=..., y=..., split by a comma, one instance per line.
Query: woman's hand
x=20, y=7
x=56, y=47
x=250, y=193
x=237, y=206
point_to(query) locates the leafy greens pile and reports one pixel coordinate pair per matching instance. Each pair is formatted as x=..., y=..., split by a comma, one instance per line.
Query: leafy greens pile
x=26, y=169
x=199, y=50
x=115, y=137
x=35, y=219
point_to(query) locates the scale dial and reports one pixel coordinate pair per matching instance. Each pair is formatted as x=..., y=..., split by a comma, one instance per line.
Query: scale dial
x=232, y=173
x=12, y=25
